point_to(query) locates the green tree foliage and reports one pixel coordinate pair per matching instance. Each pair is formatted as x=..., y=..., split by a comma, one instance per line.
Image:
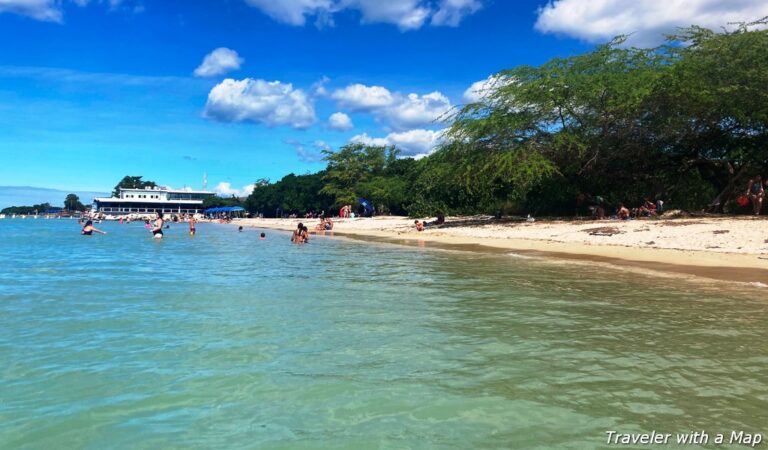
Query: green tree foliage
x=216, y=201
x=131, y=182
x=293, y=194
x=72, y=203
x=26, y=210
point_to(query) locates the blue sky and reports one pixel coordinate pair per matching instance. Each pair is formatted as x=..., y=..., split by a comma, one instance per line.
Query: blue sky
x=94, y=90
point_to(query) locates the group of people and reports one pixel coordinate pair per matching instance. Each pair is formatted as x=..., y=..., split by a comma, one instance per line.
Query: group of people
x=155, y=228
x=300, y=234
x=326, y=224
x=756, y=193
x=345, y=212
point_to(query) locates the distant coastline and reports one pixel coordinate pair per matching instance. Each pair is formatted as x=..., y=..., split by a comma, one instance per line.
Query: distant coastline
x=31, y=195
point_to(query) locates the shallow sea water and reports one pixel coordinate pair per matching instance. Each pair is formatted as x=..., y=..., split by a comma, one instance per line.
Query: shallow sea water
x=227, y=341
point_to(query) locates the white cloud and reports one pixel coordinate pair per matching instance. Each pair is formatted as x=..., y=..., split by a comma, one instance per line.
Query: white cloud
x=45, y=10
x=360, y=97
x=414, y=143
x=218, y=62
x=226, y=190
x=597, y=21
x=451, y=12
x=268, y=103
x=417, y=110
x=480, y=89
x=400, y=112
x=292, y=12
x=405, y=14
x=340, y=122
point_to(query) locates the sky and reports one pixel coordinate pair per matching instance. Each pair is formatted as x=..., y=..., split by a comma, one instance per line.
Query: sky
x=240, y=90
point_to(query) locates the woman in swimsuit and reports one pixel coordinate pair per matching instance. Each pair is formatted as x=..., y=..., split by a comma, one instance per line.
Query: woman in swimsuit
x=88, y=229
x=296, y=237
x=756, y=193
x=157, y=231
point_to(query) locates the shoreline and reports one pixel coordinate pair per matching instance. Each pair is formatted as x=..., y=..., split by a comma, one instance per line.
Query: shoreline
x=717, y=264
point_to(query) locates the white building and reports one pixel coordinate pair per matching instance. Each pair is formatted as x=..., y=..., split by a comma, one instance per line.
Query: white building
x=152, y=200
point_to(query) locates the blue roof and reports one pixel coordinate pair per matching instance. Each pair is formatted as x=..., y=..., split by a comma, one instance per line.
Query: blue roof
x=224, y=209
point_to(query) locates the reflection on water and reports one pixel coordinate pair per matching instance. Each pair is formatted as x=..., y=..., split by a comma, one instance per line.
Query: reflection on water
x=223, y=340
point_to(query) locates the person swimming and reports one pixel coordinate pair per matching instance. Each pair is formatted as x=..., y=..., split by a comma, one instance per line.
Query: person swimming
x=192, y=223
x=157, y=231
x=262, y=236
x=240, y=229
x=88, y=229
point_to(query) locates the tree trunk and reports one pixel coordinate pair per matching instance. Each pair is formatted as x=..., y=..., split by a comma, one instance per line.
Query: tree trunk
x=719, y=202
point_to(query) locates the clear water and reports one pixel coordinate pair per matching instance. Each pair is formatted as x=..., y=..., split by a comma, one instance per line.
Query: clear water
x=226, y=341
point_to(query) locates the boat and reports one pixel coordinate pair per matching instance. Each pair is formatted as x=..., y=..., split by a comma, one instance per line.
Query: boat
x=2, y=216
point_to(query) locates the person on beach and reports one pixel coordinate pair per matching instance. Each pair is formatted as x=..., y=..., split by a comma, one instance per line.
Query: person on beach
x=157, y=230
x=648, y=209
x=756, y=194
x=419, y=225
x=88, y=229
x=623, y=212
x=192, y=223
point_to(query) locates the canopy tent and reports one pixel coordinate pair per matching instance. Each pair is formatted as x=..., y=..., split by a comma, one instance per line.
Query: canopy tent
x=369, y=210
x=229, y=210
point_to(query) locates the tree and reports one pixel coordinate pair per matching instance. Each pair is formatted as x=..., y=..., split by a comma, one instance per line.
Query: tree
x=351, y=165
x=72, y=203
x=132, y=182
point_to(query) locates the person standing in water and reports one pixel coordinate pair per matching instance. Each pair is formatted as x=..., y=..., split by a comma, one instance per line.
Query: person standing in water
x=296, y=237
x=88, y=229
x=192, y=223
x=157, y=231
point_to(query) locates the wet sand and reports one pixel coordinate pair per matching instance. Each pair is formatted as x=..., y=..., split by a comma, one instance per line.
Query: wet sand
x=729, y=249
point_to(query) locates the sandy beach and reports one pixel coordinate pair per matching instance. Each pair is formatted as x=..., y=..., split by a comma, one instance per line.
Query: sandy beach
x=732, y=248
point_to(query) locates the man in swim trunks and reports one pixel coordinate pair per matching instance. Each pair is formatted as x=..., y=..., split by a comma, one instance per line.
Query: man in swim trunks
x=192, y=223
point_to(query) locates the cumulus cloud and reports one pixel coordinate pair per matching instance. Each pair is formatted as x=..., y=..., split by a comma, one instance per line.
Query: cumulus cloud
x=596, y=21
x=340, y=122
x=405, y=14
x=225, y=189
x=218, y=62
x=269, y=103
x=417, y=110
x=415, y=143
x=359, y=97
x=398, y=111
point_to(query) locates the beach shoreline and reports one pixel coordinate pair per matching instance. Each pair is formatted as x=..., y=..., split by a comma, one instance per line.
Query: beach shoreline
x=733, y=249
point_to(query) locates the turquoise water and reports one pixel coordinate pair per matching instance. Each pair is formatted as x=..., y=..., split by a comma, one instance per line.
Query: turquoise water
x=226, y=341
